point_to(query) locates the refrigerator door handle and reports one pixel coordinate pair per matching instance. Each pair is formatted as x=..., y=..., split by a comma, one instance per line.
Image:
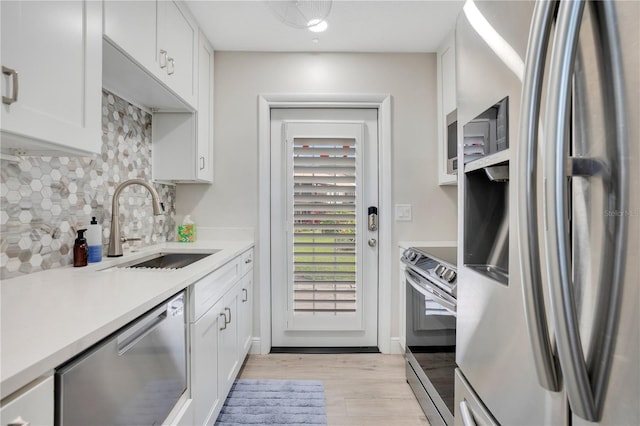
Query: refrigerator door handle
x=527, y=199
x=558, y=115
x=585, y=385
x=616, y=181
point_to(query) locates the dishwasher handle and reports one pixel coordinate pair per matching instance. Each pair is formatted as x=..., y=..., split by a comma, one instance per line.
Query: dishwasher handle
x=142, y=327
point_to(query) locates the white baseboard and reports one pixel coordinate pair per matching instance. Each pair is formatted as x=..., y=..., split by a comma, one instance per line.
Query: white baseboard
x=255, y=346
x=396, y=347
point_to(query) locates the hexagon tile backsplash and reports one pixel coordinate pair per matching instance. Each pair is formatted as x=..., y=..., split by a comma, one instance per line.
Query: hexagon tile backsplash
x=45, y=200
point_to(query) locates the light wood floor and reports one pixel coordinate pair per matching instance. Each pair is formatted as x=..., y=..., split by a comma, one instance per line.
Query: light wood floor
x=360, y=389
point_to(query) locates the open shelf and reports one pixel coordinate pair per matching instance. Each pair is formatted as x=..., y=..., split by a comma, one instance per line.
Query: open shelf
x=490, y=160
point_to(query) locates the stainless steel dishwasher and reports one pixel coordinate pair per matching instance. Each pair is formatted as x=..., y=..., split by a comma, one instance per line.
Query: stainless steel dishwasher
x=133, y=377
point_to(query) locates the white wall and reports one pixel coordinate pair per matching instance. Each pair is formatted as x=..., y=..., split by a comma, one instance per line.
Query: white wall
x=232, y=201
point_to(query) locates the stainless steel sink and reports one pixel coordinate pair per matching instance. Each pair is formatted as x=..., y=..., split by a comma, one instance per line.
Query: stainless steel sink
x=167, y=260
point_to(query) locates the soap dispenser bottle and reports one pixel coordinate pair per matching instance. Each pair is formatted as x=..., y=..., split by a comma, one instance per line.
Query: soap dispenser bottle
x=94, y=240
x=80, y=249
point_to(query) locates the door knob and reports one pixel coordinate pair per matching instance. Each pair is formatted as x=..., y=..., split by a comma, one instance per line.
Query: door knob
x=373, y=242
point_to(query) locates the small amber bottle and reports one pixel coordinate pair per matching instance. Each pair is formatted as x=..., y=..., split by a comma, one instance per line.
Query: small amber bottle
x=80, y=249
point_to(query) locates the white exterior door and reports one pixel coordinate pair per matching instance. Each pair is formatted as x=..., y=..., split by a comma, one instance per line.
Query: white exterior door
x=324, y=180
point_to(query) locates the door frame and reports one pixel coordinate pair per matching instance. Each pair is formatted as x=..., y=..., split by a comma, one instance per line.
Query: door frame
x=382, y=102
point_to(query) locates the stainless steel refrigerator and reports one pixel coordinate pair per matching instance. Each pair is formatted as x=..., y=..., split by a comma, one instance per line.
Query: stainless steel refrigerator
x=548, y=324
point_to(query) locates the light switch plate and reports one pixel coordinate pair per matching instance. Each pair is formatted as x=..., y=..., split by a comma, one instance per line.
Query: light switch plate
x=403, y=212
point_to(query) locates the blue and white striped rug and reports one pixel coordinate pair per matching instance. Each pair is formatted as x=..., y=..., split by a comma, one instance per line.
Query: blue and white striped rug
x=274, y=402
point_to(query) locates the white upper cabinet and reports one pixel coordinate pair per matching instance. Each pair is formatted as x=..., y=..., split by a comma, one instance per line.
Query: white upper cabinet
x=161, y=37
x=205, y=111
x=448, y=70
x=183, y=141
x=131, y=25
x=177, y=48
x=446, y=59
x=52, y=76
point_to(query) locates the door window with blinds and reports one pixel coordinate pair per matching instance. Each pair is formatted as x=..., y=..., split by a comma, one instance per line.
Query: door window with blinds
x=324, y=225
x=324, y=212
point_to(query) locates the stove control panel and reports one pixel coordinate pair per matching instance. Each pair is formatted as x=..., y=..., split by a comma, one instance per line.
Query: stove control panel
x=428, y=265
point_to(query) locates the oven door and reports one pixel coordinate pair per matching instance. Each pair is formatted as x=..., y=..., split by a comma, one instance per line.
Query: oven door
x=438, y=298
x=431, y=339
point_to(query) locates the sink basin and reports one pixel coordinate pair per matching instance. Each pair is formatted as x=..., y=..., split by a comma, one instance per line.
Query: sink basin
x=167, y=260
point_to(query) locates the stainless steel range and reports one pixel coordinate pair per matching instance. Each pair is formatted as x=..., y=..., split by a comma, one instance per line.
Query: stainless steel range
x=430, y=275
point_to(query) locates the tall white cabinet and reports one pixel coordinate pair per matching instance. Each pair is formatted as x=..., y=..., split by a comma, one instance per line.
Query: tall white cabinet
x=52, y=79
x=446, y=62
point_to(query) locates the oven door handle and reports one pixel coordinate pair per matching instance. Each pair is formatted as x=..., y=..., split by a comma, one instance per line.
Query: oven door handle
x=430, y=291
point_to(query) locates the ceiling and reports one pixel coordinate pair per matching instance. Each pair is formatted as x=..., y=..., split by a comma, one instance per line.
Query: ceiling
x=354, y=26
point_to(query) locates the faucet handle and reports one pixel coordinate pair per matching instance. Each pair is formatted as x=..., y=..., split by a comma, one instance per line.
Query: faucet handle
x=125, y=239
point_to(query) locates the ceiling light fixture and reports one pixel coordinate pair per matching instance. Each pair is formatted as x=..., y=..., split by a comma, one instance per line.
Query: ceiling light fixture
x=301, y=13
x=317, y=26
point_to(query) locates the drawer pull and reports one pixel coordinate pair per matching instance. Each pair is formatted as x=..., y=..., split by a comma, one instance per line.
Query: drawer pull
x=14, y=77
x=245, y=295
x=163, y=58
x=224, y=326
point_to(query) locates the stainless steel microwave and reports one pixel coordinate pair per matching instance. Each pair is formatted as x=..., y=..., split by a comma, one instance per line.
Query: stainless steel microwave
x=452, y=142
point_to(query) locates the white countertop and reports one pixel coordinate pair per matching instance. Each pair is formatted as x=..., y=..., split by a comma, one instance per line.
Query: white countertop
x=50, y=316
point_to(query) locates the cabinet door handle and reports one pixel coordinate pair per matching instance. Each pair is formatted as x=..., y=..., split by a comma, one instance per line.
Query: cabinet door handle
x=201, y=163
x=224, y=326
x=171, y=66
x=163, y=58
x=14, y=77
x=245, y=294
x=247, y=261
x=225, y=316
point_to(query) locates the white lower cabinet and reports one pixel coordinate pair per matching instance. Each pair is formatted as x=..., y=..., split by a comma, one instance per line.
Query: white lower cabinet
x=204, y=365
x=229, y=360
x=183, y=415
x=33, y=406
x=220, y=335
x=245, y=314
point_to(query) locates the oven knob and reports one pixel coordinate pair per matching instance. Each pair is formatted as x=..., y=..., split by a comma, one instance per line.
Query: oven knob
x=449, y=276
x=440, y=270
x=413, y=256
